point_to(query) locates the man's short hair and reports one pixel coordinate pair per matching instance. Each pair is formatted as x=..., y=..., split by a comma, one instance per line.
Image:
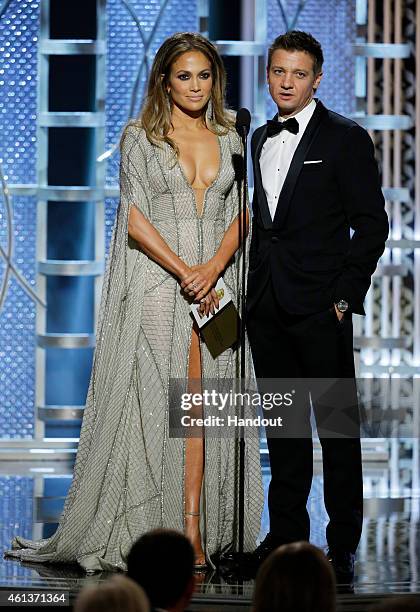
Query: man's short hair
x=295, y=40
x=151, y=554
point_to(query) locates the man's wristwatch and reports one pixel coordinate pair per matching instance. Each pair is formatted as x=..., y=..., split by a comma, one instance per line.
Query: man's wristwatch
x=342, y=306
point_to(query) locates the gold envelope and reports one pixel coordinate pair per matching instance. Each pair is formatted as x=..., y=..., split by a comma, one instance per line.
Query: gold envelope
x=222, y=331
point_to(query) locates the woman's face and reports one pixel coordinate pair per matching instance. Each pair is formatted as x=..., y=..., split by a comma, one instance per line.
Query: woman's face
x=190, y=82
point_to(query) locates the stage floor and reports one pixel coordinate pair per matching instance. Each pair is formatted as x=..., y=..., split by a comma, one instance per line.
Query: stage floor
x=388, y=559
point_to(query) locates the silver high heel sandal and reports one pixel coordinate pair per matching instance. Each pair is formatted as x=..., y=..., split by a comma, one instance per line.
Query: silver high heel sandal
x=197, y=566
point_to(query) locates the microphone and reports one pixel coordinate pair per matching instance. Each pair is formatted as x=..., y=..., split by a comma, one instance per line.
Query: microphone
x=243, y=122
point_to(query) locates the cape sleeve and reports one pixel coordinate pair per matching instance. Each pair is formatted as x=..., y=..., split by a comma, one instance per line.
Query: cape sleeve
x=133, y=172
x=122, y=257
x=115, y=341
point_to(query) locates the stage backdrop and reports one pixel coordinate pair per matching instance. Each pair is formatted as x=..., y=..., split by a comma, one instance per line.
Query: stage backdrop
x=47, y=400
x=377, y=83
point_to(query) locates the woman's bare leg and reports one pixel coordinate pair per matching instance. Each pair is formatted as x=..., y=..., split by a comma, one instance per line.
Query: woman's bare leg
x=194, y=456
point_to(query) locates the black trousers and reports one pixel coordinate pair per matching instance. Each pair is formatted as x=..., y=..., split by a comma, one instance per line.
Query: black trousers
x=314, y=346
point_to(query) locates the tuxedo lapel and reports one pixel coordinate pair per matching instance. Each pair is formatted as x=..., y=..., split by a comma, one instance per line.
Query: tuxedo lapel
x=296, y=165
x=258, y=184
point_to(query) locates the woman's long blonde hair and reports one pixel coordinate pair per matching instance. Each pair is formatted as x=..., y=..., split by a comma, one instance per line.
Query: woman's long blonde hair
x=295, y=576
x=117, y=594
x=155, y=117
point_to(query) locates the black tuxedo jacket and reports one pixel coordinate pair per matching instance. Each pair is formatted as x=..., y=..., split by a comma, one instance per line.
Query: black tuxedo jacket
x=307, y=249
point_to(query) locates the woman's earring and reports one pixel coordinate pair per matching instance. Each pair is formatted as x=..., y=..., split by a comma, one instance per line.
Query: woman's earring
x=210, y=111
x=168, y=101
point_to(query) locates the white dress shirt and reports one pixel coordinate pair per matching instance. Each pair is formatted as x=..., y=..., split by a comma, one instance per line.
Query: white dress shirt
x=277, y=154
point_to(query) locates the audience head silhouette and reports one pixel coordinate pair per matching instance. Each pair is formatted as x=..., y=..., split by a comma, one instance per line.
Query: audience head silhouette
x=294, y=577
x=162, y=562
x=118, y=594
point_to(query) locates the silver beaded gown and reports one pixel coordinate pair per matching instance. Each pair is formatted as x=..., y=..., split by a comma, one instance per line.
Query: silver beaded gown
x=128, y=474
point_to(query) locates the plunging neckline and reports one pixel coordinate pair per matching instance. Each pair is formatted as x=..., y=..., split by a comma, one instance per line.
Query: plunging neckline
x=214, y=181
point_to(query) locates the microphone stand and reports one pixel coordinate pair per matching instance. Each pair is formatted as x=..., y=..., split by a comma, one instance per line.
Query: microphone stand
x=242, y=243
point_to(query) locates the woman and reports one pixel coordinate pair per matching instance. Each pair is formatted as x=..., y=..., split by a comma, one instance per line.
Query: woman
x=294, y=577
x=117, y=594
x=176, y=232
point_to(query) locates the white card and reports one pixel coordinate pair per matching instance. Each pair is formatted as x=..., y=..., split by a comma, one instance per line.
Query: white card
x=224, y=299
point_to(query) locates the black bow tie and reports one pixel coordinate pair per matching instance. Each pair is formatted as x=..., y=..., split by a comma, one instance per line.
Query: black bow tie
x=275, y=127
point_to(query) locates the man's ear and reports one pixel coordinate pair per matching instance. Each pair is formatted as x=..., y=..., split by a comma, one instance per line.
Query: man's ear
x=317, y=80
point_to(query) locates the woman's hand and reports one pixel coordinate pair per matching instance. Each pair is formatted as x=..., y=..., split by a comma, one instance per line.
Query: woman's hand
x=210, y=303
x=184, y=273
x=202, y=279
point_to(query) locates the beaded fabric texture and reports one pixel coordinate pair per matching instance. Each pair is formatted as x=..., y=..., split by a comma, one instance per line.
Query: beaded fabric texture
x=129, y=473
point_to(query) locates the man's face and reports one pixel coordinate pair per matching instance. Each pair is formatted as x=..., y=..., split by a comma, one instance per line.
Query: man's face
x=291, y=80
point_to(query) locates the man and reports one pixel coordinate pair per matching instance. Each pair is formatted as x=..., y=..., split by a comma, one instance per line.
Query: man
x=162, y=563
x=315, y=179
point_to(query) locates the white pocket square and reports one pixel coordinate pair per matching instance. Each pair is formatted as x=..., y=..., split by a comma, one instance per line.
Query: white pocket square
x=313, y=161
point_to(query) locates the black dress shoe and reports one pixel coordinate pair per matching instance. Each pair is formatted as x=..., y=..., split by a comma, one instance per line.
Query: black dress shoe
x=250, y=561
x=343, y=564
